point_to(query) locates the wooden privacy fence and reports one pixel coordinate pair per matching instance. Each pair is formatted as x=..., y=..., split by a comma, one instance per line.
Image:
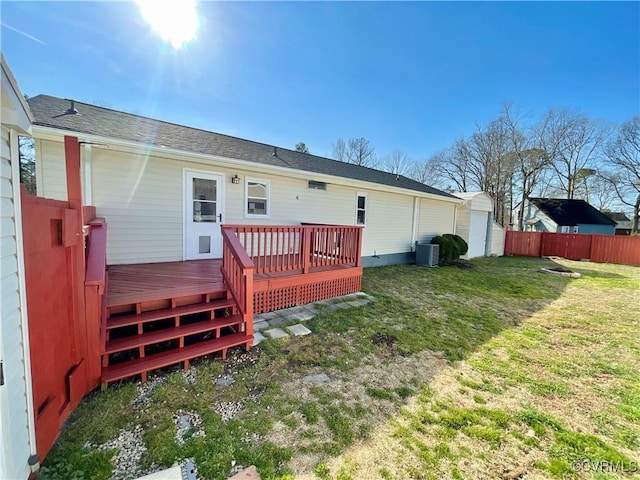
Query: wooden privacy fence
x=63, y=337
x=574, y=246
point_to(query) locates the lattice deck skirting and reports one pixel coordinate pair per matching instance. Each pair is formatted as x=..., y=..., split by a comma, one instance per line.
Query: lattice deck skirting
x=284, y=292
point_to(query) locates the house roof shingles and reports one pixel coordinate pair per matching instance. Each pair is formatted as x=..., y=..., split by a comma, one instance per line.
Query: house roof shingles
x=617, y=216
x=50, y=111
x=571, y=212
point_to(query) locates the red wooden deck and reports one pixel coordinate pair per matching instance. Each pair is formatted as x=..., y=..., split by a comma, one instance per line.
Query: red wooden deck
x=148, y=282
x=131, y=284
x=157, y=314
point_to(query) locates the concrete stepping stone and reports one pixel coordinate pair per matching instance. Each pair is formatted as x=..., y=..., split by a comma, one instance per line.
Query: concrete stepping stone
x=359, y=303
x=259, y=325
x=298, y=330
x=318, y=378
x=276, y=333
x=257, y=338
x=225, y=380
x=277, y=321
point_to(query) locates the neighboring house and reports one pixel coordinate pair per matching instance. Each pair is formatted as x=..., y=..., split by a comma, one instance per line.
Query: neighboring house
x=566, y=216
x=474, y=223
x=142, y=175
x=623, y=223
x=17, y=433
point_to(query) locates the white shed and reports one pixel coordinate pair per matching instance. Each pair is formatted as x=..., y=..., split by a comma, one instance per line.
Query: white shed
x=17, y=433
x=474, y=223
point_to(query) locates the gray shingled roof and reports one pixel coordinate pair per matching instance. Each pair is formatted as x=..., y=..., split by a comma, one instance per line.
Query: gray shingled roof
x=50, y=112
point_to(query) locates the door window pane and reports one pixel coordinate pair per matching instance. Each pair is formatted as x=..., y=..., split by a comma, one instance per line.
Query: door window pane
x=204, y=200
x=204, y=211
x=204, y=189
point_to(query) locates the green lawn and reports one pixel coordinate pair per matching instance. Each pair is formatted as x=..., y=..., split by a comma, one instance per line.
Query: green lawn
x=493, y=370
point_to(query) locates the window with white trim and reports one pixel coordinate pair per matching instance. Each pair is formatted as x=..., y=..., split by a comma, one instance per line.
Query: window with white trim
x=257, y=201
x=361, y=209
x=565, y=229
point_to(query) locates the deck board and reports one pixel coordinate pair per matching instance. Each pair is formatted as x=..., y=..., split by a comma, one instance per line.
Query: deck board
x=149, y=281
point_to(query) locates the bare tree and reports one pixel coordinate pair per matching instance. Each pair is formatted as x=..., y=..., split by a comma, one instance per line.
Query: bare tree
x=623, y=157
x=529, y=159
x=397, y=162
x=450, y=168
x=573, y=142
x=26, y=153
x=358, y=151
x=427, y=172
x=301, y=147
x=489, y=165
x=601, y=192
x=340, y=150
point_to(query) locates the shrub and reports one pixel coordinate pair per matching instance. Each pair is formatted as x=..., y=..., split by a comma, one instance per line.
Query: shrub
x=463, y=247
x=451, y=247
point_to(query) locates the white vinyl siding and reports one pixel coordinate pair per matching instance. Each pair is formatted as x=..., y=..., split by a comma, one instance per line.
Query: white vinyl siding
x=141, y=199
x=436, y=217
x=51, y=169
x=497, y=239
x=13, y=394
x=463, y=221
x=389, y=224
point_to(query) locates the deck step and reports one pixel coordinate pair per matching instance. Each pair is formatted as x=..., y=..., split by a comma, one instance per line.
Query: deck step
x=135, y=319
x=159, y=360
x=116, y=299
x=172, y=333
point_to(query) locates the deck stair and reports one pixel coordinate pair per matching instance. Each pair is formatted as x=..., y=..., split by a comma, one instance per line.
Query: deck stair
x=160, y=330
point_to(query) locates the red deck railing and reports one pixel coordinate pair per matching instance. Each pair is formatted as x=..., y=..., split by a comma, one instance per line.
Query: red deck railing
x=96, y=276
x=283, y=248
x=237, y=271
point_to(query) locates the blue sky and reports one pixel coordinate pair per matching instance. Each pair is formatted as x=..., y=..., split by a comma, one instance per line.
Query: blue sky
x=407, y=76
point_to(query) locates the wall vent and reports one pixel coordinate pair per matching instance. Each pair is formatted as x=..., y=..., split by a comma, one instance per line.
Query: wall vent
x=317, y=185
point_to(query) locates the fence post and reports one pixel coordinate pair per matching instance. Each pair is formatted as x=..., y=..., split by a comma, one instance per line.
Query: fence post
x=541, y=244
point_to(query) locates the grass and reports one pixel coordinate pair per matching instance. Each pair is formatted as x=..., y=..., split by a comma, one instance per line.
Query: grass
x=451, y=373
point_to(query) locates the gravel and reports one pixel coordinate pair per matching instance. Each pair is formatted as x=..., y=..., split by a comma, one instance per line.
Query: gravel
x=131, y=448
x=145, y=389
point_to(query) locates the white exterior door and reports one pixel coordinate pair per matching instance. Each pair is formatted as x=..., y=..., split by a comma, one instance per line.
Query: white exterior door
x=203, y=215
x=477, y=234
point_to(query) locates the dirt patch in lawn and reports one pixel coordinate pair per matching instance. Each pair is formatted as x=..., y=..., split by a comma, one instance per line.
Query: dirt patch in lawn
x=365, y=396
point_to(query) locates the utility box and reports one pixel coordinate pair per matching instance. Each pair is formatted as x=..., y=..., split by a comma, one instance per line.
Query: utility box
x=427, y=254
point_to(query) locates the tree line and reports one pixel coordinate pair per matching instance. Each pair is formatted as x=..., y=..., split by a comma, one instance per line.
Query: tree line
x=563, y=154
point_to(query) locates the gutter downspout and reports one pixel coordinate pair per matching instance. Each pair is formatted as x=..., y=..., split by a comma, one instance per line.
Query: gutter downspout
x=455, y=219
x=416, y=221
x=489, y=235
